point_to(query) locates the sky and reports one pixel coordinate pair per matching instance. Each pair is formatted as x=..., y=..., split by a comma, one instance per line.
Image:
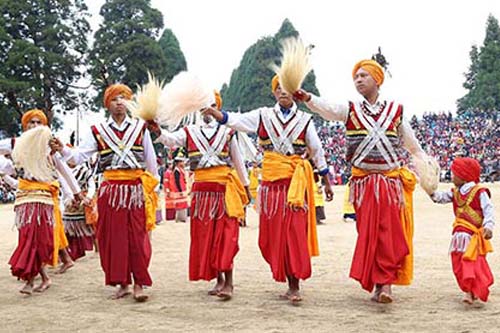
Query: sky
x=426, y=42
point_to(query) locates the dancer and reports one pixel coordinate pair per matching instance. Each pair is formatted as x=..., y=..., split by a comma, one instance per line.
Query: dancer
x=380, y=189
x=218, y=197
x=287, y=227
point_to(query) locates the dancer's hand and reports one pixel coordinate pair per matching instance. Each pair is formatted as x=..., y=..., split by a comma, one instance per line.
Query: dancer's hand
x=154, y=128
x=55, y=145
x=328, y=192
x=487, y=233
x=212, y=112
x=301, y=96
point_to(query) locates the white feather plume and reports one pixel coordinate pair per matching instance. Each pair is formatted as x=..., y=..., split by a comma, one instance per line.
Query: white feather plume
x=31, y=153
x=295, y=64
x=146, y=101
x=183, y=96
x=428, y=171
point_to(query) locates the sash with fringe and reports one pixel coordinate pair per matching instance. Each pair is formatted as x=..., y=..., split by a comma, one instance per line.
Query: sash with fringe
x=235, y=197
x=150, y=197
x=275, y=167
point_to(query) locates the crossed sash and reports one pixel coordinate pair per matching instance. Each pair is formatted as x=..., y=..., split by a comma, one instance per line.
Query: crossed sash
x=122, y=147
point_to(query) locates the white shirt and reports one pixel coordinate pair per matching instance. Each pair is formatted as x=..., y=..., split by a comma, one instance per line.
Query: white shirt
x=249, y=122
x=443, y=197
x=340, y=112
x=89, y=147
x=178, y=138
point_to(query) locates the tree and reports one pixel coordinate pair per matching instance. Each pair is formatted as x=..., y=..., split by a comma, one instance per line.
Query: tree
x=250, y=83
x=126, y=45
x=483, y=78
x=173, y=55
x=43, y=47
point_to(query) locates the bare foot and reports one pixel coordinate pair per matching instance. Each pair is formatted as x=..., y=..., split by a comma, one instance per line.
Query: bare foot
x=216, y=289
x=226, y=293
x=27, y=289
x=376, y=293
x=468, y=298
x=64, y=267
x=294, y=297
x=139, y=294
x=121, y=292
x=43, y=286
x=385, y=295
x=286, y=296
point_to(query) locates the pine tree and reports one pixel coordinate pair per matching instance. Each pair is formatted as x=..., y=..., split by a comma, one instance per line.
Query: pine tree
x=483, y=78
x=173, y=55
x=250, y=84
x=43, y=49
x=126, y=45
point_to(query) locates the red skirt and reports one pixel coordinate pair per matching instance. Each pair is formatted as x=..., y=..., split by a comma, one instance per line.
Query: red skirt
x=78, y=245
x=214, y=235
x=472, y=276
x=124, y=244
x=381, y=246
x=36, y=240
x=283, y=233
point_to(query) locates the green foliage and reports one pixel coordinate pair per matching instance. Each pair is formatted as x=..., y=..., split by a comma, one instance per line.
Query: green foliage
x=483, y=78
x=42, y=50
x=126, y=44
x=250, y=83
x=173, y=55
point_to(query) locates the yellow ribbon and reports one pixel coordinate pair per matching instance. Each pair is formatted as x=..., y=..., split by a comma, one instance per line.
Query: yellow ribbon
x=478, y=245
x=235, y=196
x=148, y=182
x=60, y=240
x=275, y=167
x=408, y=179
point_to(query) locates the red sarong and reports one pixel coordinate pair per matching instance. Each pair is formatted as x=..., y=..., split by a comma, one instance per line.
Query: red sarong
x=472, y=276
x=283, y=239
x=214, y=235
x=124, y=244
x=381, y=246
x=36, y=240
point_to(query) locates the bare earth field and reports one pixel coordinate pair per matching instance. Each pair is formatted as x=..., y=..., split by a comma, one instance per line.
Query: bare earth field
x=78, y=300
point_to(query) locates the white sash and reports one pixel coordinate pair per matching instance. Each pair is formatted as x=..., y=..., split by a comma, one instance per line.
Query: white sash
x=376, y=135
x=283, y=137
x=121, y=147
x=210, y=152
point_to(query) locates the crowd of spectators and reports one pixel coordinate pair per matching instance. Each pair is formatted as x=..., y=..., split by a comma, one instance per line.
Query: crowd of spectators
x=442, y=135
x=7, y=194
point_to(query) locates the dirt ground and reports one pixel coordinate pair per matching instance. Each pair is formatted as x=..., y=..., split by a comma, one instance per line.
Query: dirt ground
x=78, y=300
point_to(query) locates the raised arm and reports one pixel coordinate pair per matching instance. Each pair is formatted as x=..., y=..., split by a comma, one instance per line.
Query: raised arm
x=247, y=122
x=328, y=111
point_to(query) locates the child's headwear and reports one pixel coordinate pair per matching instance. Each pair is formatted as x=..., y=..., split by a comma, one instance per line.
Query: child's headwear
x=275, y=82
x=466, y=168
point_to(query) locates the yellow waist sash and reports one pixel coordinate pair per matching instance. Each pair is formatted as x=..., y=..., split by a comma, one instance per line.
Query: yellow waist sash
x=148, y=182
x=275, y=167
x=60, y=240
x=408, y=179
x=235, y=196
x=478, y=245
